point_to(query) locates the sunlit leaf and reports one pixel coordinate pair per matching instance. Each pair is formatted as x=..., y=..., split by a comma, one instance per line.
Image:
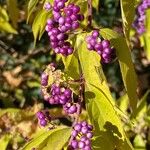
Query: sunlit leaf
x=39, y=23
x=123, y=103
x=3, y=14
x=146, y=35
x=4, y=141
x=95, y=4
x=126, y=65
x=41, y=139
x=139, y=143
x=141, y=107
x=99, y=102
x=31, y=6
x=127, y=11
x=54, y=141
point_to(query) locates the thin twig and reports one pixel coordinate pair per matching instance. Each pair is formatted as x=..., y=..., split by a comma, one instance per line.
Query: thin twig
x=79, y=107
x=89, y=13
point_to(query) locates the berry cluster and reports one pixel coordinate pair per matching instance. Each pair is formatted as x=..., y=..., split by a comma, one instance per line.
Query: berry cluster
x=82, y=134
x=102, y=47
x=43, y=117
x=139, y=23
x=65, y=19
x=59, y=94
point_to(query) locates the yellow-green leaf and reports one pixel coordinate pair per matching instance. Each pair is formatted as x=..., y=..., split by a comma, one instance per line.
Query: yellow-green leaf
x=41, y=139
x=126, y=65
x=4, y=140
x=6, y=27
x=13, y=11
x=39, y=23
x=31, y=7
x=146, y=35
x=127, y=12
x=99, y=102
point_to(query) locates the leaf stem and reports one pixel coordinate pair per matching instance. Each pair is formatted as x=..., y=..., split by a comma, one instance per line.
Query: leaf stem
x=89, y=13
x=79, y=106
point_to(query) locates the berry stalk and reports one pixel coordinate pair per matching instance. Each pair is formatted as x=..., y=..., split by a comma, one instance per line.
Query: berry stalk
x=89, y=13
x=79, y=107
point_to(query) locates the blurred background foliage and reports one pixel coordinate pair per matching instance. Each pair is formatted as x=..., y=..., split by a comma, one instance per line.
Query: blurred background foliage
x=21, y=65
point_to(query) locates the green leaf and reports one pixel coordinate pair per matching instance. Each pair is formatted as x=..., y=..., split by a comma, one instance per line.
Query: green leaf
x=4, y=140
x=6, y=27
x=127, y=12
x=141, y=107
x=123, y=103
x=13, y=11
x=109, y=34
x=31, y=6
x=99, y=103
x=3, y=14
x=146, y=36
x=41, y=139
x=139, y=143
x=95, y=4
x=4, y=24
x=38, y=26
x=126, y=65
x=72, y=64
x=58, y=139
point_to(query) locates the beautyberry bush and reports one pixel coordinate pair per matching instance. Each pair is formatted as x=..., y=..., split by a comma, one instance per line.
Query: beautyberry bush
x=80, y=89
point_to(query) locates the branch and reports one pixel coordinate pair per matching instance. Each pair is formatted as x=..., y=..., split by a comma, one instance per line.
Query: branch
x=79, y=107
x=89, y=13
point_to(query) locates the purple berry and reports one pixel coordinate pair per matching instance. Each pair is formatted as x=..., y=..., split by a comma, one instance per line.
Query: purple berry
x=105, y=43
x=81, y=144
x=40, y=115
x=74, y=144
x=74, y=17
x=43, y=122
x=68, y=12
x=72, y=109
x=51, y=100
x=83, y=138
x=107, y=50
x=80, y=17
x=76, y=9
x=47, y=6
x=44, y=79
x=90, y=47
x=95, y=33
x=98, y=47
x=93, y=42
x=89, y=135
x=87, y=148
x=68, y=20
x=84, y=130
x=75, y=25
x=78, y=127
x=61, y=20
x=60, y=5
x=60, y=36
x=67, y=93
x=74, y=133
x=70, y=51
x=84, y=124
